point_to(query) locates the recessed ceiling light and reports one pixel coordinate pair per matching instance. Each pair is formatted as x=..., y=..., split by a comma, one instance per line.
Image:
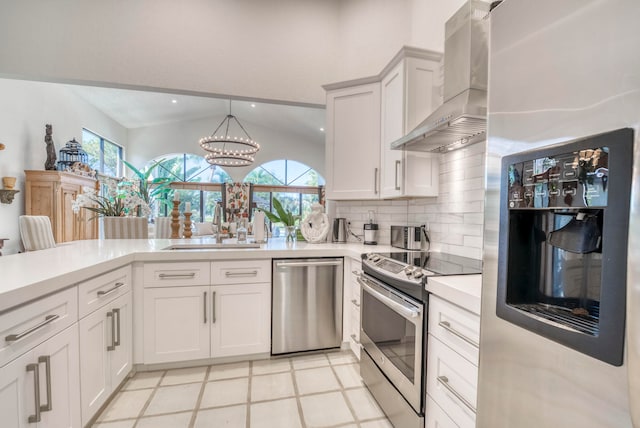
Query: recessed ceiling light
x=253, y=105
x=322, y=129
x=174, y=101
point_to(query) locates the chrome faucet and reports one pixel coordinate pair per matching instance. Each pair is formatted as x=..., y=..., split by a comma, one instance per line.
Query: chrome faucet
x=217, y=220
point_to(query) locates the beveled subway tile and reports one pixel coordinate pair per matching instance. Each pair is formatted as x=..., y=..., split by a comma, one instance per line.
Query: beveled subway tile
x=127, y=404
x=175, y=398
x=271, y=366
x=363, y=403
x=324, y=410
x=232, y=417
x=180, y=376
x=175, y=420
x=275, y=414
x=229, y=371
x=320, y=379
x=272, y=386
x=225, y=392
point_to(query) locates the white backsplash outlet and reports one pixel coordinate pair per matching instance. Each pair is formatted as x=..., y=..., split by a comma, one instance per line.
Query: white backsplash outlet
x=454, y=218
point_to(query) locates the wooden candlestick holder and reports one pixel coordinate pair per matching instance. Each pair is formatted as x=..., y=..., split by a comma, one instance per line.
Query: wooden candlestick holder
x=175, y=221
x=187, y=225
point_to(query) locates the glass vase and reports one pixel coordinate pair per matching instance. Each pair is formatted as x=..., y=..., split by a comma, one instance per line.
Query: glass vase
x=290, y=233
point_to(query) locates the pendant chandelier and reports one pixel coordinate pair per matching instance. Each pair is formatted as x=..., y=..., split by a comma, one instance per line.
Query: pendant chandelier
x=227, y=150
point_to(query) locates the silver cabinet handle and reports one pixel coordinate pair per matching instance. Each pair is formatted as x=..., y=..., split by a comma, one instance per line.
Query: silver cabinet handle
x=176, y=275
x=356, y=272
x=241, y=274
x=355, y=302
x=213, y=307
x=36, y=392
x=112, y=347
x=375, y=181
x=116, y=311
x=447, y=326
x=309, y=263
x=444, y=381
x=397, y=165
x=410, y=312
x=103, y=293
x=204, y=300
x=17, y=336
x=46, y=359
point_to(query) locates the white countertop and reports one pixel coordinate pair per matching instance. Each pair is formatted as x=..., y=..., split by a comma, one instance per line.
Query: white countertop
x=28, y=276
x=463, y=290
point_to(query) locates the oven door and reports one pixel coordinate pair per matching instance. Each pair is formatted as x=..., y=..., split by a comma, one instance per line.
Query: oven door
x=392, y=334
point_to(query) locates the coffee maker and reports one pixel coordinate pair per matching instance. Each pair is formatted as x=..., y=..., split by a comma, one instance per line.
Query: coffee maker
x=564, y=224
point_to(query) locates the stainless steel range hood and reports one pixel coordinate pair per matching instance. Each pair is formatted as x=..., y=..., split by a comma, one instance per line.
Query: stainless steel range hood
x=462, y=118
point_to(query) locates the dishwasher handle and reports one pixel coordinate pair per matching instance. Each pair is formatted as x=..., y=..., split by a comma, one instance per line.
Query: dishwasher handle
x=308, y=263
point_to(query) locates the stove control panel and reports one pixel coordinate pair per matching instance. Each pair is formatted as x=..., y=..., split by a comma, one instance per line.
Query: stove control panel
x=394, y=268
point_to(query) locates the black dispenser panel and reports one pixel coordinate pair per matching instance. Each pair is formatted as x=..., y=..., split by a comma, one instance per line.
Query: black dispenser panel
x=564, y=225
x=576, y=179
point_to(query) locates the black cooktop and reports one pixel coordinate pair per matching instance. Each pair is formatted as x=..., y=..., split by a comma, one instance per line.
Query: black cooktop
x=436, y=263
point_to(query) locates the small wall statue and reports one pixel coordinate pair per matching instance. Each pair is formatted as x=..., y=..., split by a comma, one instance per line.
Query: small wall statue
x=315, y=227
x=50, y=164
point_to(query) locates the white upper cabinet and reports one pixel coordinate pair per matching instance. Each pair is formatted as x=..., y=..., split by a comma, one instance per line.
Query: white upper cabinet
x=353, y=142
x=408, y=95
x=364, y=116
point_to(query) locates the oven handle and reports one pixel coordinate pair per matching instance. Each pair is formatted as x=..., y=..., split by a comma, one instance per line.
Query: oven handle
x=406, y=311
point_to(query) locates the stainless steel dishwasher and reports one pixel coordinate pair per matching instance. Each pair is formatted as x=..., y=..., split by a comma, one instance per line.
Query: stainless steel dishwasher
x=307, y=304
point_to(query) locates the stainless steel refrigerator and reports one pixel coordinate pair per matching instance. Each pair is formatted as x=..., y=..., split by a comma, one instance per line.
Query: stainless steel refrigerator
x=563, y=155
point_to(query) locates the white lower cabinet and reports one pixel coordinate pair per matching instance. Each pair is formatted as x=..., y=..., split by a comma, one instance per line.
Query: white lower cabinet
x=105, y=353
x=241, y=319
x=230, y=317
x=176, y=324
x=41, y=388
x=354, y=306
x=452, y=365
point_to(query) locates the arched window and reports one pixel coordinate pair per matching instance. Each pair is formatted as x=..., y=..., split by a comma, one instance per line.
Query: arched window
x=293, y=183
x=189, y=168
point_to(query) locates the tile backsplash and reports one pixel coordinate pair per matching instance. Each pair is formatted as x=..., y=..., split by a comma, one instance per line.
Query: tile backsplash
x=454, y=218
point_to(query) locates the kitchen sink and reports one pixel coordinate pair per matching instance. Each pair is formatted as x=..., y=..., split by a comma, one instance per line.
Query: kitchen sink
x=212, y=246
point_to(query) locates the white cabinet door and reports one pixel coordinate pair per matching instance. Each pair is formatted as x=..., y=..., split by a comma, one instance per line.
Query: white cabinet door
x=17, y=401
x=407, y=98
x=241, y=319
x=176, y=324
x=58, y=363
x=353, y=143
x=95, y=337
x=120, y=359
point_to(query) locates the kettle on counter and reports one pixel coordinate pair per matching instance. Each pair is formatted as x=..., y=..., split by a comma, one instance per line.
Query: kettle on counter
x=340, y=230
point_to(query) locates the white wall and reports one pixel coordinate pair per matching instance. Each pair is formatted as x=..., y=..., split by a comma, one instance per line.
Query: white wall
x=275, y=50
x=26, y=108
x=154, y=141
x=454, y=218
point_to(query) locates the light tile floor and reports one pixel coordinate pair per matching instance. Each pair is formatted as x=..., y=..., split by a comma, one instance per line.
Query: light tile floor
x=307, y=391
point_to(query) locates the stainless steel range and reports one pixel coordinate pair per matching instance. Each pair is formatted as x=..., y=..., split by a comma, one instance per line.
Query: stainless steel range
x=394, y=327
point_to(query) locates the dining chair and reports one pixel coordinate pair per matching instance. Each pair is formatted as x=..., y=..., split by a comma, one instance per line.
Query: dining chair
x=36, y=232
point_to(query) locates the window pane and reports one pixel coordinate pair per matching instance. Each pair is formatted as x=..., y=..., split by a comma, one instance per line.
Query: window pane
x=289, y=201
x=307, y=201
x=111, y=159
x=210, y=200
x=91, y=145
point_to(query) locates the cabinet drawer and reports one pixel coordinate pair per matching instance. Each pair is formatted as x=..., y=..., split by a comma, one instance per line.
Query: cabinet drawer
x=435, y=417
x=176, y=274
x=27, y=326
x=99, y=291
x=452, y=382
x=240, y=271
x=456, y=327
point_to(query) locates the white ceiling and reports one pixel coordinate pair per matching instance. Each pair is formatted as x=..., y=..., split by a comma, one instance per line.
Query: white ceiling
x=136, y=109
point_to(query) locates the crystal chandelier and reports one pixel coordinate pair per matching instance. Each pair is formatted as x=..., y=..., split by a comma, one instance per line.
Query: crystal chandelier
x=227, y=150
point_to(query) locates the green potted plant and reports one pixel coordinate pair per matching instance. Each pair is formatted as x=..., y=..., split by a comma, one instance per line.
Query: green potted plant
x=150, y=191
x=283, y=216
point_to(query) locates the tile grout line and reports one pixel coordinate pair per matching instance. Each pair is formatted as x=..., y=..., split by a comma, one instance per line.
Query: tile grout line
x=148, y=402
x=296, y=391
x=194, y=414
